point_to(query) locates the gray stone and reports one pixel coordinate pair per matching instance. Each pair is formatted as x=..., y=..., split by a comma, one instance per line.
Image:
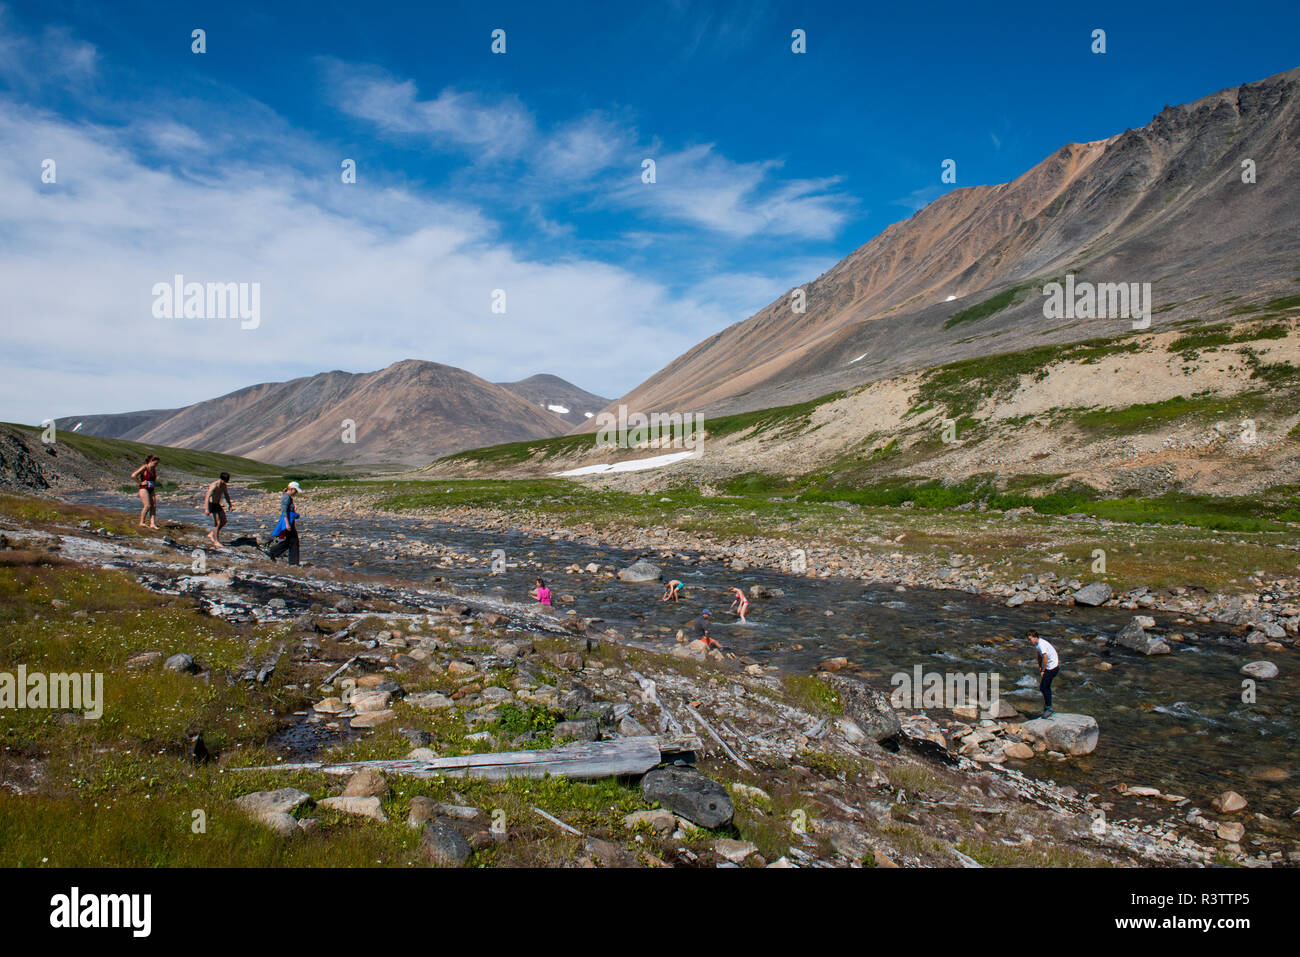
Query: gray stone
x=1067, y=733
x=630, y=727
x=866, y=707
x=689, y=794
x=1093, y=593
x=1260, y=669
x=641, y=572
x=444, y=846
x=584, y=730
x=182, y=663
x=272, y=808
x=1134, y=637
x=429, y=700
x=364, y=806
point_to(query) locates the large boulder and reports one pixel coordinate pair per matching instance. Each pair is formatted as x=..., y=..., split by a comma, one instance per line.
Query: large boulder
x=1135, y=638
x=866, y=707
x=1067, y=733
x=1093, y=593
x=689, y=794
x=641, y=572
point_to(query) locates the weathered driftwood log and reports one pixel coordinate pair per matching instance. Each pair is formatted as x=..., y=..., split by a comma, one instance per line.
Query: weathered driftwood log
x=583, y=761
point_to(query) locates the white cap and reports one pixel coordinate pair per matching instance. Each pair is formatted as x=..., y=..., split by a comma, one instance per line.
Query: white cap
x=295, y=486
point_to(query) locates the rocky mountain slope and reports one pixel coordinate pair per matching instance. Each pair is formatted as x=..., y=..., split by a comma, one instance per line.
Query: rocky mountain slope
x=1164, y=204
x=557, y=396
x=409, y=413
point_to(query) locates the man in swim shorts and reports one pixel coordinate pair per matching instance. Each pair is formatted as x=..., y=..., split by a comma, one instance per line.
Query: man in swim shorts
x=212, y=505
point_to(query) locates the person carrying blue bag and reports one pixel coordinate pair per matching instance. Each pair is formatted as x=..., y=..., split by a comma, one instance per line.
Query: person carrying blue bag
x=286, y=529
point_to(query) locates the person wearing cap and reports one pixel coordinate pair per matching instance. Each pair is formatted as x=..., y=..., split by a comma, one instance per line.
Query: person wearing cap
x=702, y=629
x=288, y=519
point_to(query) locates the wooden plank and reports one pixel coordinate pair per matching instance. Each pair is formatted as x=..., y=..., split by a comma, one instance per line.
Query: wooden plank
x=587, y=761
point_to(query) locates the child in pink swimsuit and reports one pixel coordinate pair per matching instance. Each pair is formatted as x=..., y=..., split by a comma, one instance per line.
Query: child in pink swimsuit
x=542, y=593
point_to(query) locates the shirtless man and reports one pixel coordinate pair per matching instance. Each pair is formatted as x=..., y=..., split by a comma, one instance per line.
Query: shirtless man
x=212, y=505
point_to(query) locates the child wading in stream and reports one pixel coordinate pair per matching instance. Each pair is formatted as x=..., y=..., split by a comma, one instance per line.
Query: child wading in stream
x=542, y=593
x=1049, y=663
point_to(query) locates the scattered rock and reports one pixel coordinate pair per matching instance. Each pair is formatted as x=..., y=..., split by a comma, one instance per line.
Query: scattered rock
x=1093, y=594
x=1260, y=669
x=734, y=851
x=364, y=806
x=182, y=664
x=1066, y=733
x=690, y=794
x=641, y=572
x=444, y=846
x=1134, y=637
x=659, y=820
x=868, y=708
x=366, y=783
x=272, y=808
x=1229, y=802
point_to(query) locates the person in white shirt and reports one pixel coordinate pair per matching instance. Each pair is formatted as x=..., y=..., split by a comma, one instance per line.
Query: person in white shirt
x=1049, y=663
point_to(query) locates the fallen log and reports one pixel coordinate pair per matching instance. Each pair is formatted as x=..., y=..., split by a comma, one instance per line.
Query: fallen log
x=714, y=735
x=582, y=761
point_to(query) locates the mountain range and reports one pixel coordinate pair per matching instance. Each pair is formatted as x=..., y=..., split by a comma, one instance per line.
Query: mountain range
x=1202, y=204
x=408, y=413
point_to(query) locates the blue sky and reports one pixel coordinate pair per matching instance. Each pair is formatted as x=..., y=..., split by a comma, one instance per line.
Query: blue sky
x=520, y=171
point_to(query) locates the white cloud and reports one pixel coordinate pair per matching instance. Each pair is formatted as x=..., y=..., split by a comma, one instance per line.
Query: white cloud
x=699, y=186
x=408, y=277
x=501, y=127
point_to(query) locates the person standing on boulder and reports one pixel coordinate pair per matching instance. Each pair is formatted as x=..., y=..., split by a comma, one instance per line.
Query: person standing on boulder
x=1049, y=663
x=288, y=524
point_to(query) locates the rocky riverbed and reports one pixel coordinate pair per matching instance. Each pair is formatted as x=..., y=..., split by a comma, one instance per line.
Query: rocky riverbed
x=491, y=650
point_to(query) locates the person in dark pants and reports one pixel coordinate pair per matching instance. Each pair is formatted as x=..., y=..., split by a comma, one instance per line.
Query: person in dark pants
x=289, y=516
x=1049, y=664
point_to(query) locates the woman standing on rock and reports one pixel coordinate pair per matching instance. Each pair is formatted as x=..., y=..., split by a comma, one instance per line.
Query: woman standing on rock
x=147, y=476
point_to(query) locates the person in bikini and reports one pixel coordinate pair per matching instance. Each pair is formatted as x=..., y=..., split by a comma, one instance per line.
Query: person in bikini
x=147, y=477
x=212, y=505
x=740, y=603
